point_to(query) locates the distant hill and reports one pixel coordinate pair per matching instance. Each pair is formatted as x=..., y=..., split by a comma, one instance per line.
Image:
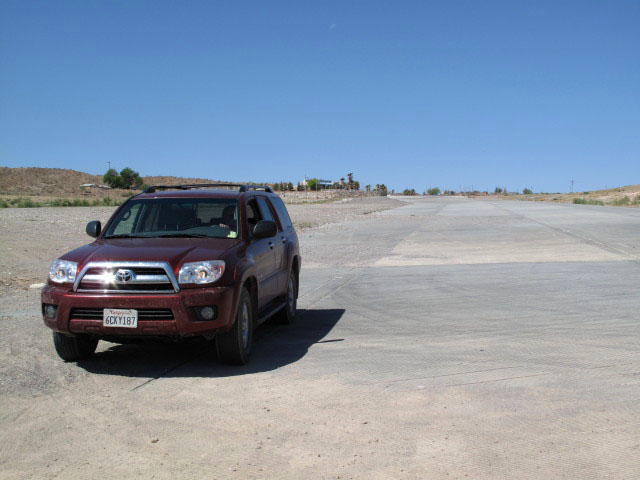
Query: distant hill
x=60, y=182
x=628, y=195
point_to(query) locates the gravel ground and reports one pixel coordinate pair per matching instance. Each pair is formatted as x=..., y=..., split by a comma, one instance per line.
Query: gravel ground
x=30, y=238
x=322, y=214
x=34, y=382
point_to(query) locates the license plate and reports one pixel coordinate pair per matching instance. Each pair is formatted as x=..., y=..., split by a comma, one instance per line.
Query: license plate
x=117, y=317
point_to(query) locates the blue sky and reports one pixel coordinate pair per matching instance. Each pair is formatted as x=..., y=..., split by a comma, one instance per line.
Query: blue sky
x=407, y=93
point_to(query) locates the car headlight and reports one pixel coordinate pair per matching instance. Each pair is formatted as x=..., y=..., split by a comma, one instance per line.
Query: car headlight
x=201, y=272
x=63, y=271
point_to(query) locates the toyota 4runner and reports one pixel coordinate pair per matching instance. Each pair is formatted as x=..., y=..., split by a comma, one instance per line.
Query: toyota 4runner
x=212, y=260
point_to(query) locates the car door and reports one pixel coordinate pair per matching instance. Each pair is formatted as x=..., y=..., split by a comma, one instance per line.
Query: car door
x=281, y=242
x=275, y=244
x=262, y=251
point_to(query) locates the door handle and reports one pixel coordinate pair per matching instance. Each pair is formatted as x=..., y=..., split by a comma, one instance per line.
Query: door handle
x=284, y=240
x=271, y=245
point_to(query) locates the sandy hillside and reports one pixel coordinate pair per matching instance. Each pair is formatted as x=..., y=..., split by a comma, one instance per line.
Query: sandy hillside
x=612, y=196
x=65, y=183
x=43, y=181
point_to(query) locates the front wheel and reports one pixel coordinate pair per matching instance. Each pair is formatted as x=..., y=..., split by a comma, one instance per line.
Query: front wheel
x=287, y=315
x=234, y=346
x=73, y=348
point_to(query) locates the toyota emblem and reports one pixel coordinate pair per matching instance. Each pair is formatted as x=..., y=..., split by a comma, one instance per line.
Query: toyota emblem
x=124, y=276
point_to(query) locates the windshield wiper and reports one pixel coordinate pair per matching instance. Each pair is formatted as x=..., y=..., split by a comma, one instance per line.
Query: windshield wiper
x=126, y=235
x=183, y=235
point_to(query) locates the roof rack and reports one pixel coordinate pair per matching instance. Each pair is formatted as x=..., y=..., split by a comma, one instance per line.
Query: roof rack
x=246, y=188
x=241, y=187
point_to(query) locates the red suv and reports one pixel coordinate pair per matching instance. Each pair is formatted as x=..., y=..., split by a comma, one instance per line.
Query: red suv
x=178, y=261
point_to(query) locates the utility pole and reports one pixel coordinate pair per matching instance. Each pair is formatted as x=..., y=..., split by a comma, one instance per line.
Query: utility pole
x=571, y=186
x=109, y=163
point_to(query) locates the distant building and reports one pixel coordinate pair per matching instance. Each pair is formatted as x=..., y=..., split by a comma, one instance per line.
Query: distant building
x=322, y=183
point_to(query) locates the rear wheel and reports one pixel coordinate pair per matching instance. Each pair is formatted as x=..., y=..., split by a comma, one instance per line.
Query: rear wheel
x=287, y=315
x=73, y=348
x=234, y=346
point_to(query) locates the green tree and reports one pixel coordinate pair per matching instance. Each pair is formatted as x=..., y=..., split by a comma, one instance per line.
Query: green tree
x=527, y=191
x=434, y=191
x=350, y=181
x=111, y=178
x=129, y=178
x=312, y=184
x=497, y=190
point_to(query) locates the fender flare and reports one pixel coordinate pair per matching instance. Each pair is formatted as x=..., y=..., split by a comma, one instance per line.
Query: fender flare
x=244, y=272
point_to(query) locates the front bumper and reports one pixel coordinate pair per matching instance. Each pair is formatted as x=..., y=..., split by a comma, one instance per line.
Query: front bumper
x=185, y=322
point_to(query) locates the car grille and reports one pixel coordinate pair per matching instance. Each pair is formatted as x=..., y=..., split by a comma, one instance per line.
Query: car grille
x=136, y=270
x=143, y=313
x=102, y=277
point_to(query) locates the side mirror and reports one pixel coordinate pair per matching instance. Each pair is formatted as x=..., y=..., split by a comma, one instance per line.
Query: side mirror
x=265, y=229
x=94, y=228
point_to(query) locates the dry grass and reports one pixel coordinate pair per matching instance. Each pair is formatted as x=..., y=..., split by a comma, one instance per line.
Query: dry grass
x=628, y=196
x=28, y=202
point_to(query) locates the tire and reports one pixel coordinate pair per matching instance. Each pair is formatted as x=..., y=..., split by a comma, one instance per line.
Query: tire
x=287, y=315
x=234, y=346
x=73, y=348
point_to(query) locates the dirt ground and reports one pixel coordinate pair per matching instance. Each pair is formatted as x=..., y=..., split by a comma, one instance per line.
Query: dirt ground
x=31, y=375
x=30, y=238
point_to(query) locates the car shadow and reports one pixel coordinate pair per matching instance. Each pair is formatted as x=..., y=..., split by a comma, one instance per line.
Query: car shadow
x=274, y=346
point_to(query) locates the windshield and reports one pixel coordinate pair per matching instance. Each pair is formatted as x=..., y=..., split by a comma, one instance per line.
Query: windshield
x=176, y=217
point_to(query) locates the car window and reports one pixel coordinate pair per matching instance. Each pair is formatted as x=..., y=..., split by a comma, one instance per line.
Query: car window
x=177, y=217
x=210, y=212
x=253, y=214
x=278, y=204
x=264, y=209
x=127, y=220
